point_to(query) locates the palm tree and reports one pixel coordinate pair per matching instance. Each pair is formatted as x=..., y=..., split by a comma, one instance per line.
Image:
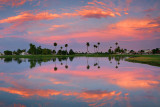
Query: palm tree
x=61, y=49
x=66, y=66
x=88, y=67
x=66, y=45
x=55, y=68
x=87, y=44
x=98, y=45
x=94, y=47
x=116, y=44
x=55, y=45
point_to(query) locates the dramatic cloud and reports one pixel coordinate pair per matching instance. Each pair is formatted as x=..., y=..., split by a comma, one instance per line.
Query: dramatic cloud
x=13, y=2
x=128, y=29
x=93, y=12
x=102, y=20
x=26, y=16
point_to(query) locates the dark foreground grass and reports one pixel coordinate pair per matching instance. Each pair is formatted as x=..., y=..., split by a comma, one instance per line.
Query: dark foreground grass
x=146, y=59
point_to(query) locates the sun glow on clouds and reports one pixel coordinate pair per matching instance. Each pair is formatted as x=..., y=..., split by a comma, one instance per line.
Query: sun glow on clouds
x=14, y=2
x=128, y=29
x=26, y=24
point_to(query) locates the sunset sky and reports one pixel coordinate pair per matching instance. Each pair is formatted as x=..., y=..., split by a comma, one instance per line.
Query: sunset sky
x=134, y=24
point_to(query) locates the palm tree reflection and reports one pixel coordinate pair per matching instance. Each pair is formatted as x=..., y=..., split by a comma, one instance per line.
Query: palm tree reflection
x=55, y=68
x=88, y=66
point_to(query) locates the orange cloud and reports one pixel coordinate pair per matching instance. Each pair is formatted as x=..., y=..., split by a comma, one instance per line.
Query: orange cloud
x=54, y=27
x=13, y=2
x=94, y=12
x=128, y=29
x=26, y=16
x=89, y=96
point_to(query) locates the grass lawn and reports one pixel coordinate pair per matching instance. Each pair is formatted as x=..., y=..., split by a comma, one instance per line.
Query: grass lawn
x=146, y=59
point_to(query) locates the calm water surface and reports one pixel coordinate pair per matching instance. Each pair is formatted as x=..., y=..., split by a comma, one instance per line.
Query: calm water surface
x=78, y=82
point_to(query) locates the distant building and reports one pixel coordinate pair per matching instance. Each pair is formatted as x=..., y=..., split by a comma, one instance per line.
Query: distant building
x=147, y=51
x=127, y=51
x=24, y=53
x=1, y=54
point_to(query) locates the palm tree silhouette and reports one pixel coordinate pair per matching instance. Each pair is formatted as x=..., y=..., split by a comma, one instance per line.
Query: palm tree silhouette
x=88, y=67
x=55, y=45
x=94, y=47
x=61, y=49
x=116, y=44
x=87, y=44
x=66, y=66
x=98, y=45
x=55, y=68
x=66, y=45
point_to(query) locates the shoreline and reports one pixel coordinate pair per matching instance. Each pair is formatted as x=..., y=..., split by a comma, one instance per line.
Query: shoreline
x=77, y=55
x=153, y=60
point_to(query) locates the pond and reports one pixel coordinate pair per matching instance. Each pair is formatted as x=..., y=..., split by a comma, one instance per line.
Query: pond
x=78, y=82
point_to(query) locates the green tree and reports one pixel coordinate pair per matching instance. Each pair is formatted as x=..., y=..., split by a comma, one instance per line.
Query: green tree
x=71, y=52
x=109, y=51
x=39, y=50
x=7, y=52
x=32, y=49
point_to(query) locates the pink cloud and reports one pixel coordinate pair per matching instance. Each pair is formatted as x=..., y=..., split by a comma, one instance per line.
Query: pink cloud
x=128, y=29
x=94, y=12
x=54, y=27
x=26, y=16
x=1, y=36
x=14, y=2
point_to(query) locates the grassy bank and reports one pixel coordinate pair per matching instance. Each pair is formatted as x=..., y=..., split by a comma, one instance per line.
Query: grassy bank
x=146, y=59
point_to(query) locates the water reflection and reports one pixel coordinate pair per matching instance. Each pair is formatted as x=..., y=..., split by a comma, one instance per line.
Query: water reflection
x=130, y=85
x=33, y=61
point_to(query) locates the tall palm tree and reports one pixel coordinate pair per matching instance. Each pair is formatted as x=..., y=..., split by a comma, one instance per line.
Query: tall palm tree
x=116, y=44
x=88, y=66
x=94, y=47
x=66, y=66
x=87, y=44
x=66, y=45
x=61, y=49
x=55, y=45
x=98, y=45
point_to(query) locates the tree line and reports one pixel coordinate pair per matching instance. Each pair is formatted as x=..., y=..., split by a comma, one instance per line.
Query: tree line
x=33, y=50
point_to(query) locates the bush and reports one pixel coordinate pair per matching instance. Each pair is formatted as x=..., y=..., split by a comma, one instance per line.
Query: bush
x=7, y=52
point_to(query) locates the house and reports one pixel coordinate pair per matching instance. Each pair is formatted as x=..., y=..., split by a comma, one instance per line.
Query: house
x=24, y=53
x=147, y=51
x=127, y=51
x=1, y=54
